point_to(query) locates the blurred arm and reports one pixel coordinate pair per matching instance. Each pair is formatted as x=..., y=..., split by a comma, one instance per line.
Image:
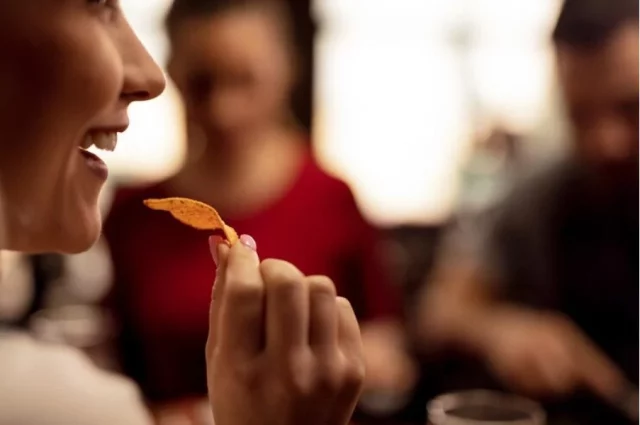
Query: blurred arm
x=464, y=296
x=389, y=363
x=57, y=385
x=456, y=308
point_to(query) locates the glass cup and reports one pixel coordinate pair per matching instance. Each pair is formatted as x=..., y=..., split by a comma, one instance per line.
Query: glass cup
x=480, y=407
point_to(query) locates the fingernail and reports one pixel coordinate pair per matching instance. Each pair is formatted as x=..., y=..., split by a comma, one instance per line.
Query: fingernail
x=249, y=242
x=213, y=247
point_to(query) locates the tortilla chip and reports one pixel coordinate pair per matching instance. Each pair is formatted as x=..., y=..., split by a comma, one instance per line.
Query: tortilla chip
x=195, y=214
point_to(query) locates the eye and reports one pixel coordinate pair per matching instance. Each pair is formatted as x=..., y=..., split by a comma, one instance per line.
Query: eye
x=106, y=3
x=105, y=8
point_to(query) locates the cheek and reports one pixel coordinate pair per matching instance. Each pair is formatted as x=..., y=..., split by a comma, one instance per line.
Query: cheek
x=57, y=83
x=266, y=102
x=63, y=80
x=64, y=77
x=88, y=78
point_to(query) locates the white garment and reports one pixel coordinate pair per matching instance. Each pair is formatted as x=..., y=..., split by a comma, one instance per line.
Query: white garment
x=46, y=384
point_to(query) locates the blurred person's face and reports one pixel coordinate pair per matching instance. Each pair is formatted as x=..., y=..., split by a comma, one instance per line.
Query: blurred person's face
x=68, y=71
x=601, y=91
x=233, y=71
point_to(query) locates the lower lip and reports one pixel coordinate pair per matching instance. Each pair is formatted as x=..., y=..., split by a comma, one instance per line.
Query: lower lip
x=95, y=164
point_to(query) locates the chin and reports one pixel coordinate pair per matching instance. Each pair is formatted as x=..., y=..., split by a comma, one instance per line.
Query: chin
x=65, y=236
x=78, y=219
x=63, y=243
x=78, y=243
x=78, y=236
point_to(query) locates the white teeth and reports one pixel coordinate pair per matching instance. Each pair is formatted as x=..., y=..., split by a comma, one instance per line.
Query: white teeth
x=105, y=141
x=87, y=142
x=102, y=140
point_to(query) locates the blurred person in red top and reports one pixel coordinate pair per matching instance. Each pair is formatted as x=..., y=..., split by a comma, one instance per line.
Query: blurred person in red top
x=232, y=61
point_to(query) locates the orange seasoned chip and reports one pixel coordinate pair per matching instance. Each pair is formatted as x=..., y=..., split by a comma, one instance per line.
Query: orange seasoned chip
x=195, y=214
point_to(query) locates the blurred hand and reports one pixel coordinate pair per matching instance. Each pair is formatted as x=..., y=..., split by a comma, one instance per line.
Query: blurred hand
x=547, y=355
x=194, y=411
x=389, y=366
x=282, y=348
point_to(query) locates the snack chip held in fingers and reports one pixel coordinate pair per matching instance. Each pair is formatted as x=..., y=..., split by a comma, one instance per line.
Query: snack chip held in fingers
x=195, y=214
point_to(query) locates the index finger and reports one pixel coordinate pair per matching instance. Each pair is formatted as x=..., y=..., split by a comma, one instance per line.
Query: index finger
x=349, y=336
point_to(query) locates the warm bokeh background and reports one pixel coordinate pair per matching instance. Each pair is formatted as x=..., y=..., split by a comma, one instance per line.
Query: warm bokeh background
x=401, y=88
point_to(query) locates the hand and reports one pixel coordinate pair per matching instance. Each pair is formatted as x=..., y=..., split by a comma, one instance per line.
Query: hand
x=196, y=411
x=390, y=367
x=282, y=348
x=547, y=355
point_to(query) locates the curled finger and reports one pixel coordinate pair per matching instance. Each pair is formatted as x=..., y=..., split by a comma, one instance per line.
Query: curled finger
x=287, y=305
x=323, y=314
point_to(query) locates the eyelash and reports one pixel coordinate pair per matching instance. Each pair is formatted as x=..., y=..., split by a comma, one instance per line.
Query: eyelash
x=106, y=8
x=104, y=3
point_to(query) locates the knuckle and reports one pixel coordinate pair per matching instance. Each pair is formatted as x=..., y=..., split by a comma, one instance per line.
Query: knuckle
x=560, y=322
x=250, y=378
x=280, y=275
x=329, y=376
x=268, y=266
x=242, y=289
x=298, y=373
x=321, y=285
x=344, y=304
x=209, y=349
x=354, y=374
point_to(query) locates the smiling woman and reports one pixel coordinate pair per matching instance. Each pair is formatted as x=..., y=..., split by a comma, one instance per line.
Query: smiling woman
x=70, y=70
x=153, y=147
x=79, y=67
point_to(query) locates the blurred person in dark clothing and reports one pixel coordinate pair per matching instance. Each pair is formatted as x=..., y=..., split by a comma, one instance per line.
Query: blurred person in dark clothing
x=546, y=290
x=233, y=63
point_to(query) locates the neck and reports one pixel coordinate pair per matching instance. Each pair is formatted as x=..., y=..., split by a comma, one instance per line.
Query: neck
x=257, y=169
x=237, y=158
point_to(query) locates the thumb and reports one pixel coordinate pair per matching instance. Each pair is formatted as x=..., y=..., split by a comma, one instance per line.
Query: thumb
x=220, y=254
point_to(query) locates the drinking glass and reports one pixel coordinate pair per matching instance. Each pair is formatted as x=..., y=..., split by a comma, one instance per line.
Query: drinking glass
x=480, y=407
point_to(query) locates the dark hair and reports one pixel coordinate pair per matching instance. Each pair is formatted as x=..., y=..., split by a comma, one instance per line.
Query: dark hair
x=589, y=23
x=182, y=10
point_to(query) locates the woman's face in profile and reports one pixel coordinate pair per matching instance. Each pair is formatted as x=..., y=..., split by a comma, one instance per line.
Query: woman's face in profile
x=68, y=71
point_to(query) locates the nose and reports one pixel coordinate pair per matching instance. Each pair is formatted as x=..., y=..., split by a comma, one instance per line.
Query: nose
x=613, y=140
x=143, y=78
x=222, y=110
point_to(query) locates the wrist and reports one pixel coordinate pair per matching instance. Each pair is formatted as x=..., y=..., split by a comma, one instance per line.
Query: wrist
x=475, y=331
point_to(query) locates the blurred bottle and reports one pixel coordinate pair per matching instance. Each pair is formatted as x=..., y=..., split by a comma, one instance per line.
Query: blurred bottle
x=489, y=172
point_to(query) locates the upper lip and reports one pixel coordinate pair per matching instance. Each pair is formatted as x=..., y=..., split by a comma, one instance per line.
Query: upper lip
x=119, y=128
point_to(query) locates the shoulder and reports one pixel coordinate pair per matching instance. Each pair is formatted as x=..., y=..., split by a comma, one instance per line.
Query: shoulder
x=520, y=216
x=535, y=193
x=59, y=385
x=326, y=185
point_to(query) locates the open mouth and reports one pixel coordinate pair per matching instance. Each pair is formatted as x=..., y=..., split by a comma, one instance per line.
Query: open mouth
x=102, y=140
